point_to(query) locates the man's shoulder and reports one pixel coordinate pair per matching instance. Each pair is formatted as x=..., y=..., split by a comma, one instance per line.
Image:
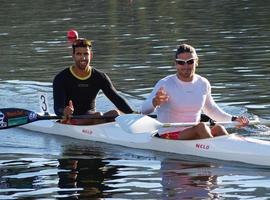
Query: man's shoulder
x=62, y=74
x=64, y=71
x=201, y=78
x=168, y=80
x=99, y=73
x=169, y=77
x=202, y=81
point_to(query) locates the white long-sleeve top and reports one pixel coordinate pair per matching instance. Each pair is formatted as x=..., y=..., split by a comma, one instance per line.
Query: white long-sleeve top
x=187, y=100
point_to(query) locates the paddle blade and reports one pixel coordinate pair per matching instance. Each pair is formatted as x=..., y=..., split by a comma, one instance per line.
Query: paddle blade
x=137, y=123
x=261, y=121
x=11, y=117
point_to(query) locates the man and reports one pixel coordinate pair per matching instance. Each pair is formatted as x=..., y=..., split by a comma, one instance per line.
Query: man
x=183, y=96
x=75, y=88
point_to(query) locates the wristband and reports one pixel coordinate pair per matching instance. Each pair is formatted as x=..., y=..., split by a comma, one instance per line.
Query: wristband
x=234, y=118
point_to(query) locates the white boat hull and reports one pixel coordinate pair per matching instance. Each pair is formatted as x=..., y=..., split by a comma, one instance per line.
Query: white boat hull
x=229, y=148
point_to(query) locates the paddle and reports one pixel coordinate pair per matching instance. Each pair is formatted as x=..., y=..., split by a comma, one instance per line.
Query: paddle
x=12, y=117
x=138, y=123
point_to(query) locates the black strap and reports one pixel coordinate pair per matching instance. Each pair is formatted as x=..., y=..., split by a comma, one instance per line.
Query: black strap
x=205, y=118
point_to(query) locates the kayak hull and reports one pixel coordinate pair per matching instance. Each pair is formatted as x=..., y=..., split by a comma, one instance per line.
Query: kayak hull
x=229, y=148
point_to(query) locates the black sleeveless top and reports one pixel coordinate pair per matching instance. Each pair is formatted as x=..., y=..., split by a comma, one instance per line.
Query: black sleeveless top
x=83, y=93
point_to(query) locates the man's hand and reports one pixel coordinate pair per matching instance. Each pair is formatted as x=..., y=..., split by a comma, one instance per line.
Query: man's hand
x=243, y=121
x=160, y=98
x=68, y=111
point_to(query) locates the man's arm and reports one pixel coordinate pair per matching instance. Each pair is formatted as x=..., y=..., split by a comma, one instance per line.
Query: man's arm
x=110, y=91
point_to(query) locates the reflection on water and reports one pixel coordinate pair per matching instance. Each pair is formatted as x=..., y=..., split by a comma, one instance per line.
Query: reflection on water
x=134, y=43
x=137, y=178
x=79, y=174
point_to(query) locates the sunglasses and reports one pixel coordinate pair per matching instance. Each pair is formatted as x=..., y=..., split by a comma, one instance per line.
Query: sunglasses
x=182, y=62
x=82, y=43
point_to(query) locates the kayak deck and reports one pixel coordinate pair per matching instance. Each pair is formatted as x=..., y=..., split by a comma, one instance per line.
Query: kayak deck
x=229, y=147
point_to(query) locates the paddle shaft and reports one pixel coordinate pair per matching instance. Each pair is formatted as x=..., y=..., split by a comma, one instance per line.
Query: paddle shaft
x=48, y=117
x=167, y=125
x=12, y=117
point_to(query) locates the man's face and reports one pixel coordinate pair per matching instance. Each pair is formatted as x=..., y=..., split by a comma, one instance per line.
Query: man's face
x=81, y=57
x=186, y=65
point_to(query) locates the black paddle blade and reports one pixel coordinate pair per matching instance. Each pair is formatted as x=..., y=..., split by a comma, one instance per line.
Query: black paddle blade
x=11, y=117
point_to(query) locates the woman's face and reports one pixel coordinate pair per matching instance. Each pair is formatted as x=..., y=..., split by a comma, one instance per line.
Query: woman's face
x=186, y=64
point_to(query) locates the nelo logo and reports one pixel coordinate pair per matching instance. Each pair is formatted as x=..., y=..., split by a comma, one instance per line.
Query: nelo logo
x=202, y=146
x=87, y=131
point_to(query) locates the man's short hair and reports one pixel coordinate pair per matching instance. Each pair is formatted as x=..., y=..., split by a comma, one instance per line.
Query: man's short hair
x=185, y=48
x=81, y=42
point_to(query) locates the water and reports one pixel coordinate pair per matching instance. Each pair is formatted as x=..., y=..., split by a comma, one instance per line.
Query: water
x=134, y=43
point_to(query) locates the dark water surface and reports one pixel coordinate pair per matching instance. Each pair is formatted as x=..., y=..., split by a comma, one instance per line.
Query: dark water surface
x=134, y=43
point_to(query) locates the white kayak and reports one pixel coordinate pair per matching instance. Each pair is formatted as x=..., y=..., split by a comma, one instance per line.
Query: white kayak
x=229, y=148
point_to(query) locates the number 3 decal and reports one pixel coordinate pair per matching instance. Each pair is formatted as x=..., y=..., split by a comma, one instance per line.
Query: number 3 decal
x=43, y=103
